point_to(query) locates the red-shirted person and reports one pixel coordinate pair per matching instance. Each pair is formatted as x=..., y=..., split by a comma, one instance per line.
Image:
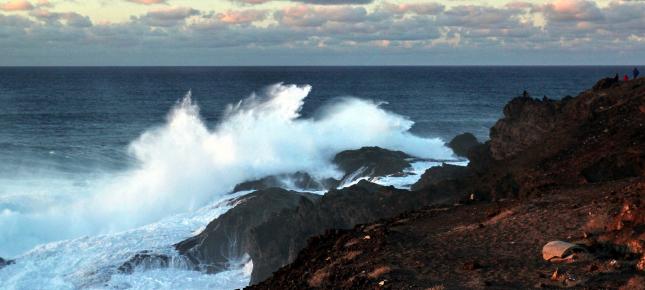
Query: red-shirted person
x=626, y=78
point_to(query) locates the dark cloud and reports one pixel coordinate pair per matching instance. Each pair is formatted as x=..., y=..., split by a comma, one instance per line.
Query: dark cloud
x=167, y=16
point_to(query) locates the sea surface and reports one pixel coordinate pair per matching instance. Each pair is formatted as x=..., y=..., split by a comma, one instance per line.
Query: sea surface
x=99, y=163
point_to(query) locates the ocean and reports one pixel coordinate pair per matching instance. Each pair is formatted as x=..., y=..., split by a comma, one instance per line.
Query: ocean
x=99, y=163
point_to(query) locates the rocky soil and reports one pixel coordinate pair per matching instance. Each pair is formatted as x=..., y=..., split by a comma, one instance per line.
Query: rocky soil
x=571, y=170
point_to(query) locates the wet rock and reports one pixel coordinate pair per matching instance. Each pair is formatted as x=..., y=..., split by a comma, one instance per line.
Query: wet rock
x=4, y=262
x=299, y=180
x=372, y=161
x=462, y=143
x=227, y=238
x=144, y=260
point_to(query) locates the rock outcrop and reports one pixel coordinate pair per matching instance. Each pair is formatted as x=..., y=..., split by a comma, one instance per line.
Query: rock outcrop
x=439, y=174
x=228, y=237
x=595, y=137
x=289, y=230
x=355, y=164
x=569, y=170
x=4, y=262
x=463, y=143
x=371, y=161
x=300, y=180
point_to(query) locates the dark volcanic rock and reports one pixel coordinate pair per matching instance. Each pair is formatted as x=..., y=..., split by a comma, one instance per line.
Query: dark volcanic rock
x=372, y=161
x=300, y=180
x=526, y=121
x=480, y=245
x=227, y=238
x=366, y=161
x=568, y=170
x=144, y=260
x=462, y=143
x=4, y=262
x=605, y=84
x=277, y=241
x=436, y=175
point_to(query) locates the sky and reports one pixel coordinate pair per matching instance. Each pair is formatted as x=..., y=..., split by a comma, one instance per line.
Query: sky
x=321, y=32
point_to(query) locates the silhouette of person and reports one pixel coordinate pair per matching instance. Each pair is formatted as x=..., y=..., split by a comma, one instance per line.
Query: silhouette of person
x=616, y=78
x=635, y=72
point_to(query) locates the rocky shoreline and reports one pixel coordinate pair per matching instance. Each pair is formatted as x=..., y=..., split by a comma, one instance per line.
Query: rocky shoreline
x=571, y=170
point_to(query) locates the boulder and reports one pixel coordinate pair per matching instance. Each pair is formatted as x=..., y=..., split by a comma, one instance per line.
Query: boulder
x=462, y=143
x=226, y=238
x=371, y=161
x=436, y=175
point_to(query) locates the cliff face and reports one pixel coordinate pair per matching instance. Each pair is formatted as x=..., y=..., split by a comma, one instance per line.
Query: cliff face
x=569, y=170
x=597, y=136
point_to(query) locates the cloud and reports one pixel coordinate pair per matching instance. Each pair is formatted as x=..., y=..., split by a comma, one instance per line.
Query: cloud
x=308, y=16
x=167, y=16
x=572, y=10
x=242, y=16
x=16, y=5
x=148, y=2
x=302, y=32
x=429, y=8
x=316, y=2
x=68, y=18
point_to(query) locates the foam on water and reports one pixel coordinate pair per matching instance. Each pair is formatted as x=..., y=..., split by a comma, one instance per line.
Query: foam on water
x=182, y=169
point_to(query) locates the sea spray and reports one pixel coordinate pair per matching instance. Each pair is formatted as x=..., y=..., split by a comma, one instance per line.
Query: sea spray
x=183, y=165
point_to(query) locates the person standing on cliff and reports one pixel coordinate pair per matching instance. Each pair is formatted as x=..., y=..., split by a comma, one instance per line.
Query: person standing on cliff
x=626, y=78
x=616, y=78
x=635, y=72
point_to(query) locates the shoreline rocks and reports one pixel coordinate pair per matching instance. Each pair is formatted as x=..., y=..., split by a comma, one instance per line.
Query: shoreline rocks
x=228, y=237
x=572, y=169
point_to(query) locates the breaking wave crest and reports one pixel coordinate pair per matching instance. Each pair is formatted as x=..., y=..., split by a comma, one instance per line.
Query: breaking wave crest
x=183, y=164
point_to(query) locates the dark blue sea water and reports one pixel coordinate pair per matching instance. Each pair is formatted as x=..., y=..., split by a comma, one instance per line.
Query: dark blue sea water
x=88, y=115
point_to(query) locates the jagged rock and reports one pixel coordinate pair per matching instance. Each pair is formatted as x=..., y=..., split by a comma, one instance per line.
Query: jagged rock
x=605, y=84
x=4, y=262
x=526, y=121
x=462, y=143
x=372, y=161
x=366, y=161
x=227, y=238
x=300, y=180
x=144, y=260
x=435, y=175
x=277, y=241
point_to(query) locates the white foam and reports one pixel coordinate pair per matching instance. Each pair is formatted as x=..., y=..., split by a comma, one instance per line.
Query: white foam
x=180, y=168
